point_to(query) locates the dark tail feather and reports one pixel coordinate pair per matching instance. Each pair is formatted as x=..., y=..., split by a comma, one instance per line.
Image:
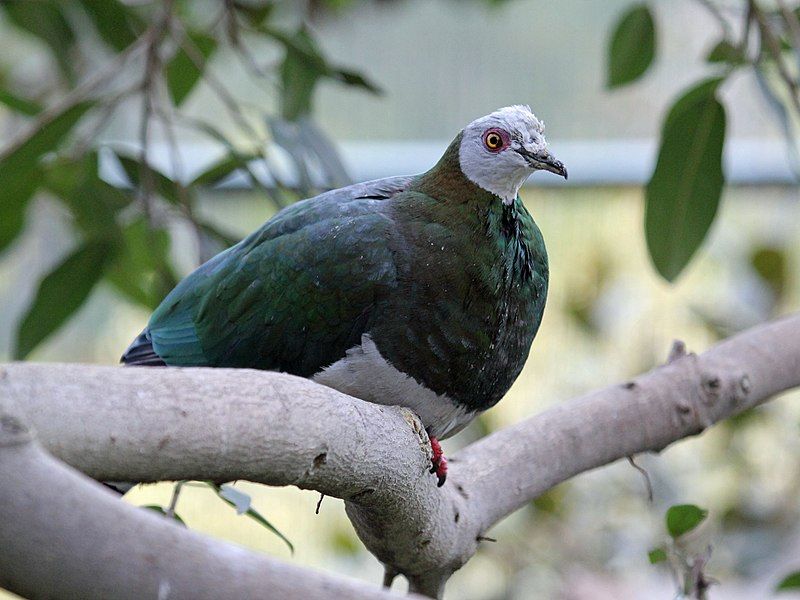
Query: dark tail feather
x=141, y=354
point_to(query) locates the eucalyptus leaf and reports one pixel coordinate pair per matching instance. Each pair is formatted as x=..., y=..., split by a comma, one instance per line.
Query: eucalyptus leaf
x=116, y=23
x=17, y=103
x=46, y=20
x=182, y=72
x=682, y=518
x=684, y=192
x=20, y=170
x=61, y=293
x=237, y=498
x=632, y=47
x=223, y=168
x=725, y=52
x=249, y=511
x=789, y=583
x=657, y=555
x=162, y=511
x=169, y=190
x=141, y=268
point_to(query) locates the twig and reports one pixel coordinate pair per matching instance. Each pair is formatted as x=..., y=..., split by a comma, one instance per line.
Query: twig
x=775, y=50
x=718, y=16
x=79, y=93
x=646, y=475
x=173, y=503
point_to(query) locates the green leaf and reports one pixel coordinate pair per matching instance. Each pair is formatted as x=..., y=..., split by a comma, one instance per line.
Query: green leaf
x=20, y=172
x=222, y=169
x=61, y=293
x=141, y=270
x=357, y=79
x=93, y=202
x=302, y=66
x=770, y=264
x=162, y=511
x=725, y=52
x=29, y=108
x=657, y=555
x=116, y=23
x=171, y=191
x=182, y=73
x=45, y=19
x=684, y=192
x=682, y=518
x=632, y=46
x=256, y=14
x=790, y=582
x=225, y=494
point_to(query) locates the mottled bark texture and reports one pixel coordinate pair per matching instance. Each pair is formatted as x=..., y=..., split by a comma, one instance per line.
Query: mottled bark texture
x=153, y=424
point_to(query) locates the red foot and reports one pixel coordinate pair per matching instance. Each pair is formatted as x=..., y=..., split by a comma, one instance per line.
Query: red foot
x=438, y=462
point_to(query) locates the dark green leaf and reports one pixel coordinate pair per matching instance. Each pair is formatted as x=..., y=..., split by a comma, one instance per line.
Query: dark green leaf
x=657, y=555
x=162, y=511
x=770, y=264
x=171, y=191
x=141, y=270
x=45, y=19
x=93, y=202
x=256, y=13
x=249, y=510
x=222, y=169
x=20, y=172
x=182, y=73
x=684, y=191
x=632, y=46
x=358, y=80
x=790, y=582
x=300, y=71
x=19, y=104
x=682, y=518
x=725, y=52
x=61, y=293
x=116, y=23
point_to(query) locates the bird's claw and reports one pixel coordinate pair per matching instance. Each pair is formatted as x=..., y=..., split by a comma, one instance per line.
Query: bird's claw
x=438, y=462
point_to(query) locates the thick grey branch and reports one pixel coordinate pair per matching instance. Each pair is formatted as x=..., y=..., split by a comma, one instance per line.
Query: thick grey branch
x=148, y=424
x=65, y=536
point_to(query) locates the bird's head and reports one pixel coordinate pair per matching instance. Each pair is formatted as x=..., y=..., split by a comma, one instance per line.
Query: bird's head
x=500, y=151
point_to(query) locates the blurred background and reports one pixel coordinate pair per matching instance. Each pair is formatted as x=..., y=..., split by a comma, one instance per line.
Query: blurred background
x=137, y=139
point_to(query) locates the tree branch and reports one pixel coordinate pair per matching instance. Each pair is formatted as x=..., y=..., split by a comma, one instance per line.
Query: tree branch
x=65, y=536
x=148, y=424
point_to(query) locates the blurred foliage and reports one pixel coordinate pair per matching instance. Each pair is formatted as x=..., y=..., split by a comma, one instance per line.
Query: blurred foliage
x=685, y=188
x=789, y=583
x=155, y=54
x=687, y=563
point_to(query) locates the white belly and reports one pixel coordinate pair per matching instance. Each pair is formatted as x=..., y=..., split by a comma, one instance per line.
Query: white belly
x=365, y=374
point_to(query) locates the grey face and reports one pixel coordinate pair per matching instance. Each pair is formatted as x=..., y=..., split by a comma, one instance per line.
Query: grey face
x=500, y=151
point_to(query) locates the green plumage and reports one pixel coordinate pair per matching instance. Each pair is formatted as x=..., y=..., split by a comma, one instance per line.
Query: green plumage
x=449, y=283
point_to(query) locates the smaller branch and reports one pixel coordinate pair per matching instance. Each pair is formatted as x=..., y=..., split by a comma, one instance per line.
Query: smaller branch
x=775, y=50
x=79, y=93
x=712, y=8
x=647, y=483
x=792, y=24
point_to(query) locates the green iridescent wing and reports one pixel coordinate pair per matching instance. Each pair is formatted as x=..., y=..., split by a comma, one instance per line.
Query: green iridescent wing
x=293, y=296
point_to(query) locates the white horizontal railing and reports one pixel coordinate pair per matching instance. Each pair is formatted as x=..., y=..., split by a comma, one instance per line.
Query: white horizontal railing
x=613, y=162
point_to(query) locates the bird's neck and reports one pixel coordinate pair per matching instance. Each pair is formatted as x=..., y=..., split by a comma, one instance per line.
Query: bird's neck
x=446, y=182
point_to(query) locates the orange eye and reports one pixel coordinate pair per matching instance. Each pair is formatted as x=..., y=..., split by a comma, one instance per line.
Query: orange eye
x=493, y=140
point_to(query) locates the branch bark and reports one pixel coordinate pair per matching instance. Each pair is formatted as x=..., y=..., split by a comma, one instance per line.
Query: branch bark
x=65, y=536
x=152, y=424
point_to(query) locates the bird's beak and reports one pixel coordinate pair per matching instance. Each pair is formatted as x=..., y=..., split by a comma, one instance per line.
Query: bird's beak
x=544, y=161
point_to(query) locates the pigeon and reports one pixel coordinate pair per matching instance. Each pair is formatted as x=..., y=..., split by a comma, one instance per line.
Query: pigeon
x=419, y=291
